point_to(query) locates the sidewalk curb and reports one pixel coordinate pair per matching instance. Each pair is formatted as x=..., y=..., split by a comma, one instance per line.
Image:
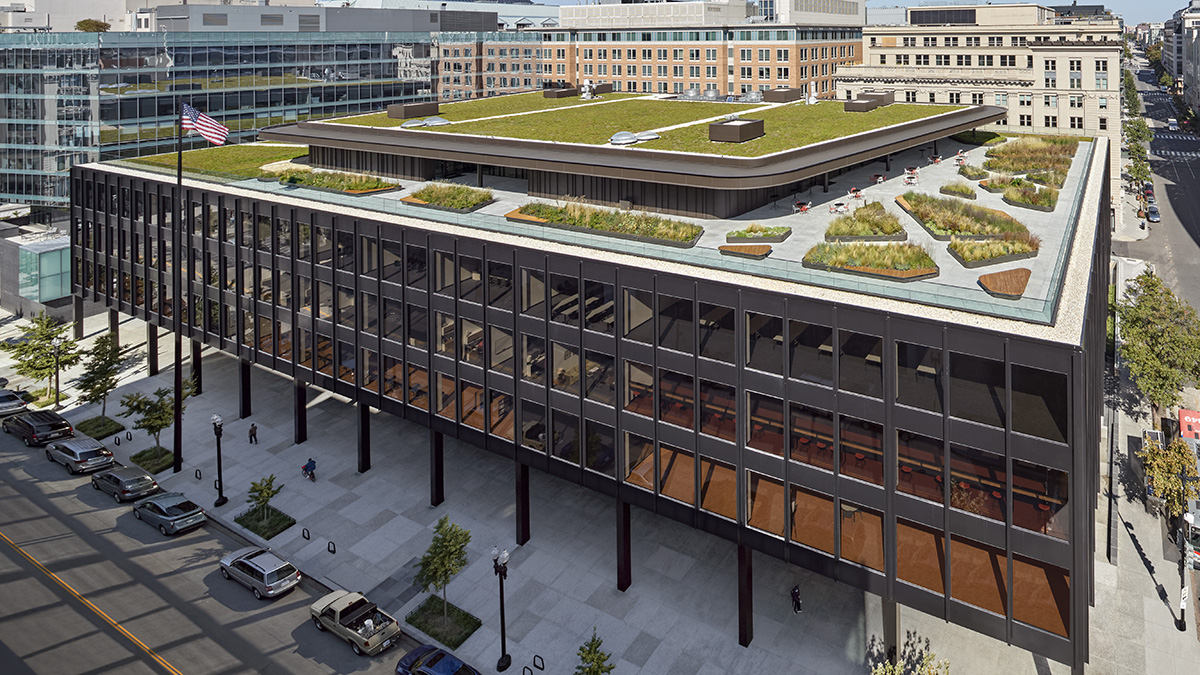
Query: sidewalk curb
x=239, y=534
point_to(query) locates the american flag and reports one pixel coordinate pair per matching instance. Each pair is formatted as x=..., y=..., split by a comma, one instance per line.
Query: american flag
x=209, y=128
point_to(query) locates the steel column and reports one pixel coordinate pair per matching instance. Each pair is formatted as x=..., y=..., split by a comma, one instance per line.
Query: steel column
x=745, y=595
x=300, y=411
x=437, y=486
x=624, y=559
x=151, y=349
x=244, y=387
x=364, y=437
x=197, y=367
x=522, y=503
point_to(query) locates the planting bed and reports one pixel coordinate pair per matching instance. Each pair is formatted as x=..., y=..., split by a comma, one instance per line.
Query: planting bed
x=870, y=222
x=758, y=234
x=946, y=218
x=1033, y=153
x=621, y=224
x=897, y=262
x=447, y=197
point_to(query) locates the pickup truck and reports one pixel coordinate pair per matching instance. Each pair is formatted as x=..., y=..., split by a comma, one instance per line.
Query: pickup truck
x=350, y=616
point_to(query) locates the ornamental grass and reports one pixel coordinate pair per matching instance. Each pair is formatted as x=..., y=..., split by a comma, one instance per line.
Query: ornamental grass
x=945, y=216
x=1010, y=244
x=452, y=196
x=1006, y=181
x=622, y=222
x=1030, y=194
x=972, y=172
x=1054, y=179
x=869, y=220
x=959, y=188
x=897, y=256
x=333, y=180
x=755, y=230
x=1033, y=153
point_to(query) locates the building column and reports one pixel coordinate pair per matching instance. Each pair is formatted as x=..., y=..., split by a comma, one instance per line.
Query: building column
x=825, y=182
x=114, y=324
x=891, y=630
x=437, y=484
x=244, y=387
x=364, y=437
x=177, y=425
x=522, y=483
x=151, y=349
x=77, y=311
x=745, y=556
x=300, y=411
x=479, y=174
x=935, y=148
x=887, y=162
x=624, y=557
x=197, y=367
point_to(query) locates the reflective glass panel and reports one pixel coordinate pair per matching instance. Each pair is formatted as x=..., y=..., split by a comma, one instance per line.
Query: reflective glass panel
x=811, y=352
x=717, y=326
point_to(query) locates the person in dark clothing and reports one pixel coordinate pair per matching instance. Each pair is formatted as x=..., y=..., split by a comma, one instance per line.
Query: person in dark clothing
x=309, y=468
x=253, y=433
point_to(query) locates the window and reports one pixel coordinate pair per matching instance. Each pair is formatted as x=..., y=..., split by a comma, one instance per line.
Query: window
x=503, y=414
x=920, y=460
x=963, y=59
x=941, y=59
x=930, y=41
x=910, y=97
x=979, y=575
x=500, y=282
x=1102, y=122
x=533, y=292
x=922, y=59
x=1052, y=121
x=718, y=410
x=813, y=519
x=764, y=342
x=1075, y=101
x=676, y=399
x=500, y=350
x=978, y=481
x=1008, y=61
x=600, y=385
x=1102, y=81
x=676, y=473
x=861, y=363
x=977, y=389
x=565, y=442
x=764, y=55
x=932, y=97
x=718, y=488
x=1103, y=103
x=676, y=323
x=745, y=54
x=470, y=279
x=764, y=428
x=1076, y=122
x=564, y=299
x=781, y=55
x=995, y=41
x=1002, y=100
x=1041, y=594
x=1040, y=499
x=950, y=41
x=919, y=376
x=972, y=41
x=976, y=99
x=955, y=97
x=444, y=272
x=909, y=41
x=639, y=389
x=444, y=397
x=471, y=403
x=533, y=359
x=765, y=507
x=639, y=462
x=861, y=444
x=1026, y=120
x=902, y=59
x=986, y=59
x=862, y=535
x=1025, y=100
x=600, y=451
x=811, y=352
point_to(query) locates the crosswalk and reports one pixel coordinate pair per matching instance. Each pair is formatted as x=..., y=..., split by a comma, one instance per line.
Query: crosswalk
x=1173, y=137
x=1177, y=154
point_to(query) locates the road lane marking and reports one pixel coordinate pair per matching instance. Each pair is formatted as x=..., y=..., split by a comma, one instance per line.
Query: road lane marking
x=160, y=660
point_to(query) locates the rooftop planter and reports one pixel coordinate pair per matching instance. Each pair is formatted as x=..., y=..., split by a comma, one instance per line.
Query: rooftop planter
x=757, y=234
x=870, y=222
x=449, y=197
x=629, y=225
x=958, y=189
x=1033, y=153
x=1049, y=178
x=972, y=172
x=975, y=253
x=946, y=218
x=754, y=252
x=342, y=183
x=999, y=184
x=894, y=262
x=1030, y=197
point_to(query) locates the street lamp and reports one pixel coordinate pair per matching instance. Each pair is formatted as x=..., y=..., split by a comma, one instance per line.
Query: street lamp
x=221, y=498
x=56, y=342
x=500, y=569
x=1185, y=524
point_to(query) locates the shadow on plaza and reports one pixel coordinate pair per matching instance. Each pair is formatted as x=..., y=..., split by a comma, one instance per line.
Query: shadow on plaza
x=1149, y=564
x=1121, y=395
x=912, y=653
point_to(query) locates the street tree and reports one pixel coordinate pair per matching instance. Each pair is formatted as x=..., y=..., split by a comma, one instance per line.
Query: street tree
x=261, y=493
x=1160, y=341
x=592, y=659
x=101, y=371
x=444, y=558
x=1166, y=80
x=1164, y=466
x=92, y=26
x=33, y=352
x=1139, y=170
x=1138, y=132
x=926, y=665
x=155, y=413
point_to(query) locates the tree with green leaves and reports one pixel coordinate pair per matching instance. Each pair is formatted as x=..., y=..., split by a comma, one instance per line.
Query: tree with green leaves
x=1166, y=80
x=1164, y=466
x=927, y=665
x=33, y=352
x=261, y=494
x=1139, y=170
x=101, y=371
x=92, y=26
x=1137, y=131
x=1160, y=341
x=444, y=558
x=158, y=412
x=592, y=659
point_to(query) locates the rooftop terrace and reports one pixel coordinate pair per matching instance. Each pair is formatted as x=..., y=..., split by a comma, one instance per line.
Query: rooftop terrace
x=956, y=287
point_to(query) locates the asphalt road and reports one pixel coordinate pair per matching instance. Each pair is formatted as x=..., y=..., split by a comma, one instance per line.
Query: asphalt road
x=1174, y=244
x=128, y=600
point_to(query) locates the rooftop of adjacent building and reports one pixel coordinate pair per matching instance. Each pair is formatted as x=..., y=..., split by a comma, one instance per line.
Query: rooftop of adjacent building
x=1050, y=307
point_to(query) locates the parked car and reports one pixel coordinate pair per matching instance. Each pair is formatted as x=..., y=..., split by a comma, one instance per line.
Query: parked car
x=80, y=454
x=38, y=427
x=353, y=618
x=1151, y=201
x=260, y=570
x=1152, y=214
x=127, y=482
x=1148, y=190
x=171, y=512
x=430, y=660
x=11, y=403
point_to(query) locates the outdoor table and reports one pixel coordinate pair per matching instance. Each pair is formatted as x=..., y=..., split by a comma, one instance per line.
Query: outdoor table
x=878, y=177
x=912, y=170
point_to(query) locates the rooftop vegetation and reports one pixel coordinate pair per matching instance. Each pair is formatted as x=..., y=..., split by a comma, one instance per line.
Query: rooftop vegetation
x=236, y=160
x=349, y=182
x=959, y=188
x=945, y=216
x=485, y=107
x=972, y=172
x=1010, y=244
x=792, y=126
x=453, y=196
x=899, y=257
x=1030, y=194
x=758, y=231
x=869, y=220
x=1033, y=153
x=1054, y=179
x=620, y=222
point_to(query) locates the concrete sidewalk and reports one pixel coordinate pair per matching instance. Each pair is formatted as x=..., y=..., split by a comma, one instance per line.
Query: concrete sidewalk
x=678, y=618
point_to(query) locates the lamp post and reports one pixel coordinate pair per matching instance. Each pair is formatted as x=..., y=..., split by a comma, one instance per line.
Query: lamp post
x=221, y=498
x=1185, y=524
x=500, y=569
x=56, y=342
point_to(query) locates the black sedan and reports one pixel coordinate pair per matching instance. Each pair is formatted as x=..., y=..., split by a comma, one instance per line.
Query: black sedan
x=430, y=660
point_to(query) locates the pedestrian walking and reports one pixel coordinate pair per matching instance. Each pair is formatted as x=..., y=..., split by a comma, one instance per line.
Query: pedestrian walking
x=797, y=605
x=253, y=433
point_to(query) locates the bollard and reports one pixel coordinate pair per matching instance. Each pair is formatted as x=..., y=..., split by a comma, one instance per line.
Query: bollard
x=538, y=662
x=129, y=435
x=526, y=671
x=117, y=440
x=197, y=474
x=217, y=485
x=304, y=533
x=331, y=548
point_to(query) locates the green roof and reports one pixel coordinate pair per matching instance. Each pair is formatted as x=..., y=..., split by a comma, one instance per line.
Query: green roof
x=484, y=107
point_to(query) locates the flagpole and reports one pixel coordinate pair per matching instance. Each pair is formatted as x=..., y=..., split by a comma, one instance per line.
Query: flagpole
x=177, y=295
x=179, y=143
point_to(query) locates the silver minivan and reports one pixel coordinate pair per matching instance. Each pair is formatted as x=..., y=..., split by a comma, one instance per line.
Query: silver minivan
x=260, y=570
x=80, y=454
x=11, y=403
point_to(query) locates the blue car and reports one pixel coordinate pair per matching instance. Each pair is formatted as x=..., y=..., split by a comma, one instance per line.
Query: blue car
x=430, y=660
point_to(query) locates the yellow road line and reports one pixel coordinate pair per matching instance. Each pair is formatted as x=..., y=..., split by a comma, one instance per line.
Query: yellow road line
x=161, y=661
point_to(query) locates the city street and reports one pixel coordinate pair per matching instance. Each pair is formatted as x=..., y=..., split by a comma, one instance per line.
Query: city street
x=1173, y=246
x=137, y=602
